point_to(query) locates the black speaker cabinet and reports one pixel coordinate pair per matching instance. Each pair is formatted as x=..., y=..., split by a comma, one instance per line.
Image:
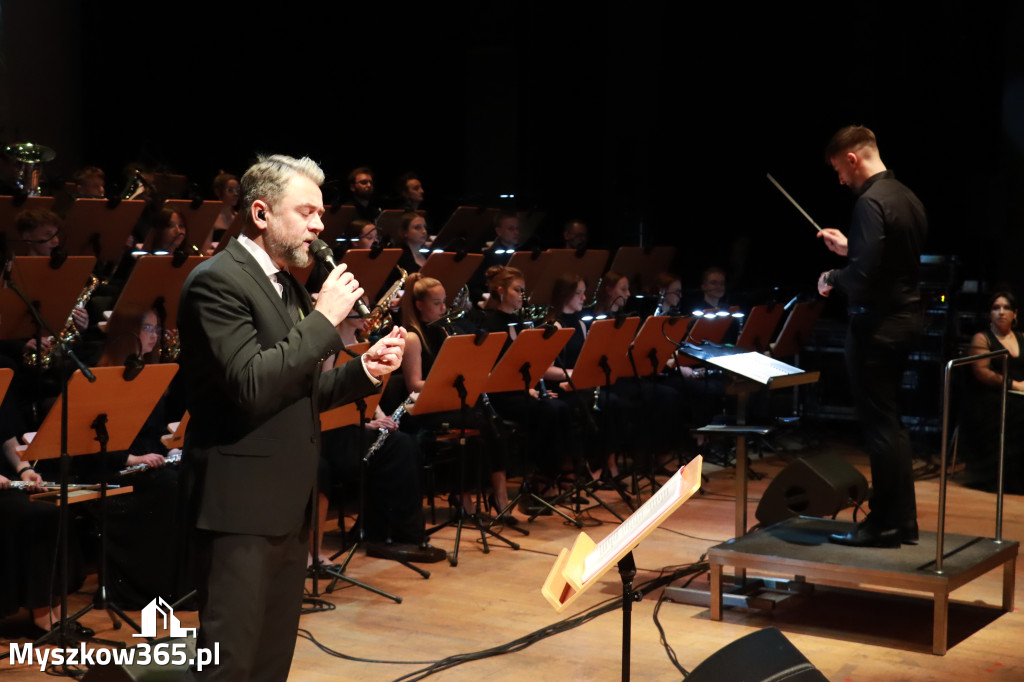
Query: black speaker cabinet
x=819, y=485
x=762, y=656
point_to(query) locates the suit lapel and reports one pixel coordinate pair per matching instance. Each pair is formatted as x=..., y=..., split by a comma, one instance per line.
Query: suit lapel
x=253, y=269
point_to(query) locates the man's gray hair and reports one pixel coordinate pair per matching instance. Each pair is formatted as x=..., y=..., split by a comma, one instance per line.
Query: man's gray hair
x=268, y=178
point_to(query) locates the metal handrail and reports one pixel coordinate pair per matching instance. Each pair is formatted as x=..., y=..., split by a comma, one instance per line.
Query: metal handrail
x=970, y=359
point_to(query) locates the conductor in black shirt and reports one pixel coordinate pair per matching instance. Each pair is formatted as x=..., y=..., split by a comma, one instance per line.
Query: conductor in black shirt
x=887, y=231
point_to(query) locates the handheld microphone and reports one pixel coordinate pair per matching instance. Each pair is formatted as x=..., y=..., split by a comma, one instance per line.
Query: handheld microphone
x=321, y=253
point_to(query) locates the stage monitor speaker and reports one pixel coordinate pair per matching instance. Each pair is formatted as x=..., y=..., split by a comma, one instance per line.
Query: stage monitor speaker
x=112, y=672
x=819, y=485
x=762, y=656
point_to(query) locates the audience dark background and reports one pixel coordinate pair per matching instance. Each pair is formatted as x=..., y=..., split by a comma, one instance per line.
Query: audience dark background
x=651, y=118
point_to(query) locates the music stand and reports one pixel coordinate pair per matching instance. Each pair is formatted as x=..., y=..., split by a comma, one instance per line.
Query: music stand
x=101, y=227
x=655, y=343
x=576, y=569
x=520, y=369
x=533, y=265
x=233, y=230
x=52, y=290
x=797, y=330
x=155, y=283
x=749, y=371
x=349, y=414
x=640, y=262
x=467, y=229
x=454, y=269
x=98, y=416
x=11, y=206
x=371, y=268
x=455, y=381
x=603, y=359
x=529, y=222
x=708, y=328
x=759, y=327
x=176, y=436
x=199, y=215
x=336, y=220
x=589, y=264
x=389, y=225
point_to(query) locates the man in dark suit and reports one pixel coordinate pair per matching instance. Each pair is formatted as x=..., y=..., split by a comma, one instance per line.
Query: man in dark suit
x=252, y=345
x=887, y=232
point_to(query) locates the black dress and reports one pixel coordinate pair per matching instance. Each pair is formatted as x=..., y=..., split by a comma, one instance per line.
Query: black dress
x=981, y=419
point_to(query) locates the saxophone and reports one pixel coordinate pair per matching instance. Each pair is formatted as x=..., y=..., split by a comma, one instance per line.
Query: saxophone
x=380, y=312
x=382, y=434
x=69, y=334
x=170, y=349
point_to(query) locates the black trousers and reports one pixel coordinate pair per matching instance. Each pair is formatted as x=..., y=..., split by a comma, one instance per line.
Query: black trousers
x=876, y=357
x=249, y=602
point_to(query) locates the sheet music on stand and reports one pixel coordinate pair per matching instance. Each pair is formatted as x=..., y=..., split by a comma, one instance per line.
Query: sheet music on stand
x=578, y=568
x=755, y=366
x=761, y=369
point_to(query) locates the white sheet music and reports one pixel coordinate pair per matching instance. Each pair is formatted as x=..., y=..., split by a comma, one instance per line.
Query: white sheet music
x=651, y=513
x=754, y=366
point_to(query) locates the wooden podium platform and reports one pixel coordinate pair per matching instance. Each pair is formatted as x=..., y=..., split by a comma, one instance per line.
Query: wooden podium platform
x=800, y=547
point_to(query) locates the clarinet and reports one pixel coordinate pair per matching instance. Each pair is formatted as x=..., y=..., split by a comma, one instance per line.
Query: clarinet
x=382, y=433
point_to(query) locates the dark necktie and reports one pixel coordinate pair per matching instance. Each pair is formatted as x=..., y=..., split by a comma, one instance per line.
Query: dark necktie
x=290, y=294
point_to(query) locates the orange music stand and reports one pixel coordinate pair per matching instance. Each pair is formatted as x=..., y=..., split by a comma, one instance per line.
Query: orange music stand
x=455, y=382
x=655, y=343
x=155, y=282
x=101, y=227
x=759, y=327
x=451, y=269
x=467, y=229
x=54, y=292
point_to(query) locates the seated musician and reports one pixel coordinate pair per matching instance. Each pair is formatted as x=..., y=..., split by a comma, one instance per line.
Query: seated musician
x=226, y=189
x=568, y=299
x=39, y=231
x=90, y=183
x=981, y=409
x=29, y=533
x=410, y=191
x=612, y=294
x=412, y=238
x=546, y=420
x=393, y=523
x=145, y=526
x=423, y=306
x=711, y=295
x=169, y=232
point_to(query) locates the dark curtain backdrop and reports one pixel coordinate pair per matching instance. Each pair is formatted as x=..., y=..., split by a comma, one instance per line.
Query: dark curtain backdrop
x=650, y=120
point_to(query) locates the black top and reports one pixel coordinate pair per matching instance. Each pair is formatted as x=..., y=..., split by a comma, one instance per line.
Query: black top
x=570, y=353
x=887, y=233
x=1015, y=365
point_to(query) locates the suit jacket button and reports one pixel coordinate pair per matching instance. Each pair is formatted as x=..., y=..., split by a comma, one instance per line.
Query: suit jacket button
x=312, y=439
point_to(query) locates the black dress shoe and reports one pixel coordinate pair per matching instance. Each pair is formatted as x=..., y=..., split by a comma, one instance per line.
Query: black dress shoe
x=505, y=519
x=74, y=629
x=408, y=552
x=908, y=532
x=866, y=535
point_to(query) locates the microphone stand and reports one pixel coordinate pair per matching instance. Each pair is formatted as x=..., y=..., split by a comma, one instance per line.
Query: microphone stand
x=65, y=460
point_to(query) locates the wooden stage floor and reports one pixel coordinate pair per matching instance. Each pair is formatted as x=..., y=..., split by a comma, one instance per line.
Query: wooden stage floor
x=493, y=599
